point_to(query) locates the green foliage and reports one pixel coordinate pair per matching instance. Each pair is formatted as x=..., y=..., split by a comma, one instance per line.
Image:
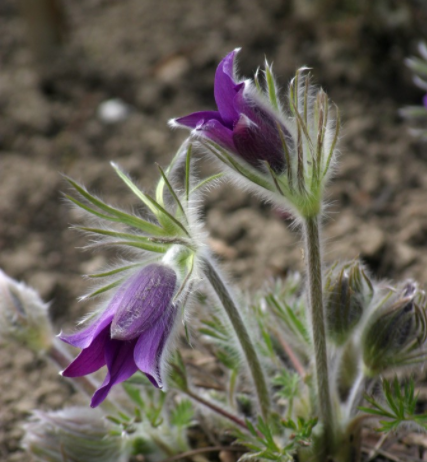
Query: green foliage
x=150, y=407
x=399, y=407
x=288, y=384
x=182, y=415
x=178, y=373
x=277, y=444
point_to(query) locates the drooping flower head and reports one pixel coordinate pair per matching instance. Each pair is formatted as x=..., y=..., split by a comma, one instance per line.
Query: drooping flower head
x=287, y=153
x=134, y=330
x=132, y=333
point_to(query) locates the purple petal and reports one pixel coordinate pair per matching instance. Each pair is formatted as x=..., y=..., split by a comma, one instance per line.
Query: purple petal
x=150, y=346
x=256, y=134
x=425, y=101
x=142, y=301
x=197, y=118
x=85, y=337
x=91, y=358
x=256, y=146
x=215, y=131
x=225, y=88
x=121, y=366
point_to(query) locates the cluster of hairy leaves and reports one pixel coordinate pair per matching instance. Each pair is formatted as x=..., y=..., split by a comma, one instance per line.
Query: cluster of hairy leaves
x=264, y=445
x=398, y=406
x=277, y=320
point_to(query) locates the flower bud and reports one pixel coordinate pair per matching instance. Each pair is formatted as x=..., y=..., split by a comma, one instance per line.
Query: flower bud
x=286, y=149
x=348, y=292
x=397, y=333
x=73, y=434
x=23, y=315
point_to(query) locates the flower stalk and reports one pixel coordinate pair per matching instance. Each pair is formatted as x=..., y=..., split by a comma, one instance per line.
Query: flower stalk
x=243, y=337
x=315, y=295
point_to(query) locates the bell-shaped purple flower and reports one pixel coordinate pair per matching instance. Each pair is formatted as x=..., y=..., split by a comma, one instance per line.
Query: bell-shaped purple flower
x=243, y=125
x=132, y=333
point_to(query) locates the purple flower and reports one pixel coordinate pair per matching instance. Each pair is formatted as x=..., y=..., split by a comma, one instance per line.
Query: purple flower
x=131, y=333
x=243, y=124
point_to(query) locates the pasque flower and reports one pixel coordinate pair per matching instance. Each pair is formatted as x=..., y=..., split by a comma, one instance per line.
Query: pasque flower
x=285, y=151
x=243, y=124
x=131, y=333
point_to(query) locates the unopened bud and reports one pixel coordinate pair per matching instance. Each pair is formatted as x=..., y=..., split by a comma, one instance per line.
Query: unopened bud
x=23, y=315
x=348, y=292
x=74, y=434
x=397, y=333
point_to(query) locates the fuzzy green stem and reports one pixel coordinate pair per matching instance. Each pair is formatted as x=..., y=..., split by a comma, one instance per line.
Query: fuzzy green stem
x=314, y=274
x=242, y=335
x=354, y=394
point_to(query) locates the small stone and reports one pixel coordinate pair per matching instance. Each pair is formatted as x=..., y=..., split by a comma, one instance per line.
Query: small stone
x=172, y=68
x=227, y=456
x=113, y=111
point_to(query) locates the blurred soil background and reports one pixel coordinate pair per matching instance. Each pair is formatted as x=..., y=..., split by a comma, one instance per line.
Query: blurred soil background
x=159, y=57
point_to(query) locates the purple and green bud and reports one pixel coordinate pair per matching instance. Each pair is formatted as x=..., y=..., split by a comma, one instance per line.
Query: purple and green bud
x=24, y=316
x=244, y=124
x=287, y=152
x=73, y=434
x=397, y=333
x=132, y=333
x=348, y=292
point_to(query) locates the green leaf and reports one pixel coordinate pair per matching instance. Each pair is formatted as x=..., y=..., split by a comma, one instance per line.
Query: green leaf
x=149, y=246
x=164, y=217
x=112, y=272
x=132, y=186
x=105, y=232
x=207, y=181
x=399, y=406
x=111, y=213
x=134, y=394
x=183, y=414
x=103, y=289
x=271, y=86
x=172, y=191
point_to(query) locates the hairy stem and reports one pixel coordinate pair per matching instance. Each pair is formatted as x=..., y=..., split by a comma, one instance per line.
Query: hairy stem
x=291, y=355
x=242, y=335
x=219, y=410
x=314, y=275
